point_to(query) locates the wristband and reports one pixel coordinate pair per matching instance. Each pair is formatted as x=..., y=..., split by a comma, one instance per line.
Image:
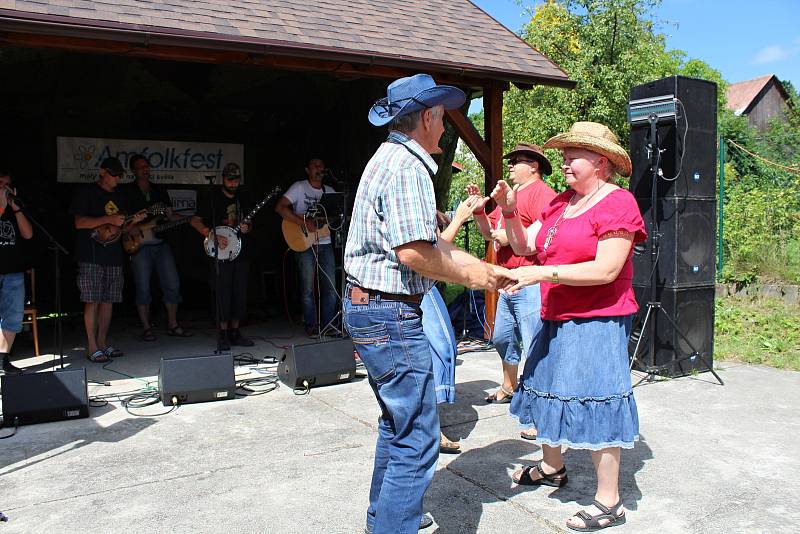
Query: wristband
x=554, y=276
x=510, y=215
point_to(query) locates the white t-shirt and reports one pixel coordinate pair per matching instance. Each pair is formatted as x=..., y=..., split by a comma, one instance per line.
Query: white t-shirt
x=303, y=196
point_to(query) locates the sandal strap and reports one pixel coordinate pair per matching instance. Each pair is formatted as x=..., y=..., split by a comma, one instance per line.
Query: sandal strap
x=507, y=392
x=605, y=509
x=551, y=476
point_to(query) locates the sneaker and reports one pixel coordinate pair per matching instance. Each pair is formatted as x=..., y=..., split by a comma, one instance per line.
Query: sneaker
x=237, y=338
x=223, y=341
x=9, y=368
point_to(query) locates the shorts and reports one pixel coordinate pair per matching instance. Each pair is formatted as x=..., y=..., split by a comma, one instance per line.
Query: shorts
x=12, y=301
x=100, y=283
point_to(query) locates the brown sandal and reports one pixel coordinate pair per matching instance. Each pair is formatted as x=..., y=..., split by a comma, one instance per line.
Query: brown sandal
x=556, y=480
x=492, y=399
x=591, y=523
x=448, y=447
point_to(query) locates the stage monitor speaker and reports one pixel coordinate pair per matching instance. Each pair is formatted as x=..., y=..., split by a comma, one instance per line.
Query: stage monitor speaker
x=196, y=379
x=692, y=310
x=317, y=364
x=41, y=397
x=688, y=243
x=689, y=145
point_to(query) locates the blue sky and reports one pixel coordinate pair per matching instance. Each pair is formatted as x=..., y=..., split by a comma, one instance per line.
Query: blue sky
x=742, y=39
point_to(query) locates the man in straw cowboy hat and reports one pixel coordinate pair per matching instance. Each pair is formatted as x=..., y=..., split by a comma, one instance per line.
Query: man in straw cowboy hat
x=576, y=386
x=392, y=258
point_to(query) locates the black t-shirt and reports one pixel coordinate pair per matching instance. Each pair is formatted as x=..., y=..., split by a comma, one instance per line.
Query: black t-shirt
x=13, y=258
x=94, y=201
x=138, y=200
x=229, y=212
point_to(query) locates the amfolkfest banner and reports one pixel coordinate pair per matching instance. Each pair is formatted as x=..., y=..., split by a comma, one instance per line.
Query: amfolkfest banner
x=171, y=162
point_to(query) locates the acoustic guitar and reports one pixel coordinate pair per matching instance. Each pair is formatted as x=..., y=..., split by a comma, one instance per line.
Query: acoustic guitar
x=108, y=233
x=147, y=234
x=299, y=238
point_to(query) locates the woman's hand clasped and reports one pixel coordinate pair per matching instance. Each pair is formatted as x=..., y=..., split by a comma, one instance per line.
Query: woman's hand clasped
x=527, y=276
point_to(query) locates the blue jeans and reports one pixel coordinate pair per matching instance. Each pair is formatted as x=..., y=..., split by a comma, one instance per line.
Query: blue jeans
x=306, y=264
x=158, y=258
x=389, y=339
x=517, y=323
x=12, y=301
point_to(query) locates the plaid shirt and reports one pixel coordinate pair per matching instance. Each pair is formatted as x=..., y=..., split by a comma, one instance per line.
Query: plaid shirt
x=394, y=205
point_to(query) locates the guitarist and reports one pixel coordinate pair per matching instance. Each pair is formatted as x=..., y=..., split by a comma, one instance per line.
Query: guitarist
x=301, y=197
x=142, y=194
x=229, y=206
x=100, y=267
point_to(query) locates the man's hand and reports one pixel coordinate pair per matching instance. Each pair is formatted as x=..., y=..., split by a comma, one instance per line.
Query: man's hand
x=222, y=242
x=116, y=220
x=488, y=276
x=3, y=199
x=311, y=225
x=245, y=228
x=504, y=196
x=139, y=217
x=442, y=220
x=500, y=237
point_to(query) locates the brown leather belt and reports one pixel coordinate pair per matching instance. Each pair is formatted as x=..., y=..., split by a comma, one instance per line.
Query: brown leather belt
x=359, y=295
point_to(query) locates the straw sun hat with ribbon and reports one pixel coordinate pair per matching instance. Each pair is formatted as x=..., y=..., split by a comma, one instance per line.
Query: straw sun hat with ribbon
x=597, y=138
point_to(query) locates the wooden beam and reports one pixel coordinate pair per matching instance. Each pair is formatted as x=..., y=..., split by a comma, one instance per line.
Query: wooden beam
x=493, y=126
x=470, y=135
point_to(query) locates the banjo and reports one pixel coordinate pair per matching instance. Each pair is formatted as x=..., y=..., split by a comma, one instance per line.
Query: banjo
x=234, y=245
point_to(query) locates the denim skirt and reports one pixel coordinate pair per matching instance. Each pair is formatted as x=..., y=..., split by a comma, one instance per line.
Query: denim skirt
x=575, y=388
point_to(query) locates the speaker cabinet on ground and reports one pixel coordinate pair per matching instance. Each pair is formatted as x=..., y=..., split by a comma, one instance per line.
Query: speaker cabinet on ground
x=693, y=312
x=41, y=397
x=689, y=145
x=318, y=364
x=687, y=251
x=196, y=379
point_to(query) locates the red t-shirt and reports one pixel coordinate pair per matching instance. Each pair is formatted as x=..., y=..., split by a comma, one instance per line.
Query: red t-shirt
x=531, y=200
x=575, y=241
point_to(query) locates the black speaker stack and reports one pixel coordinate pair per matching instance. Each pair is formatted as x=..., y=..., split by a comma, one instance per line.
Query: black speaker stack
x=685, y=217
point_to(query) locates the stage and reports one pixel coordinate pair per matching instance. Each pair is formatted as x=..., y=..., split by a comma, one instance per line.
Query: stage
x=711, y=459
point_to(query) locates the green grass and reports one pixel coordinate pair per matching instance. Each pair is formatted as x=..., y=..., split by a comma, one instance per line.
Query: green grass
x=763, y=331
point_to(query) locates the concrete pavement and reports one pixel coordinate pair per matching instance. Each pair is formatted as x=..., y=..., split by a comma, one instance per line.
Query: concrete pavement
x=711, y=458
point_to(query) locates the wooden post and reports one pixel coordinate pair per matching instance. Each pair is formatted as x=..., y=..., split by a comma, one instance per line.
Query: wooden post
x=493, y=128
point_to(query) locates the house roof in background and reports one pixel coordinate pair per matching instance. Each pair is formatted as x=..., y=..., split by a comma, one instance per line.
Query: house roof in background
x=452, y=36
x=741, y=95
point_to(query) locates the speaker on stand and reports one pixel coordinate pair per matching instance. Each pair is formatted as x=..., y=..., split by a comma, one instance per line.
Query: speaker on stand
x=673, y=152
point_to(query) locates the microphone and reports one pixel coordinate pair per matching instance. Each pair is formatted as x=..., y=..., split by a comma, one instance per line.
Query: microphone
x=11, y=196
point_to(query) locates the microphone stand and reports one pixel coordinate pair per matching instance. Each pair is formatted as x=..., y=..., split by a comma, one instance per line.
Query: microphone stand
x=57, y=248
x=211, y=179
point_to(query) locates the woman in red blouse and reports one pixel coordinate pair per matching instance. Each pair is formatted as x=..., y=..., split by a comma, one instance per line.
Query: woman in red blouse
x=576, y=388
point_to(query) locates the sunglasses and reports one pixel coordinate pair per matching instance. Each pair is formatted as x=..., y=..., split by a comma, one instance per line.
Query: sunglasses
x=115, y=174
x=515, y=161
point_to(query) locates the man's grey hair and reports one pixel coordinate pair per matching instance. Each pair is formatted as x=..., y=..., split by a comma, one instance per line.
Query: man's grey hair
x=408, y=123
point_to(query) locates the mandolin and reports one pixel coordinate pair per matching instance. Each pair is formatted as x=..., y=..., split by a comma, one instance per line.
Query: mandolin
x=108, y=233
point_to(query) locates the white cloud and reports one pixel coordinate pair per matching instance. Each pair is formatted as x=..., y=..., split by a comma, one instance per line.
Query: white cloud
x=771, y=54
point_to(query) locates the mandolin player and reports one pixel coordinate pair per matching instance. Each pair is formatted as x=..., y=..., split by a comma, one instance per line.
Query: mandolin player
x=99, y=206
